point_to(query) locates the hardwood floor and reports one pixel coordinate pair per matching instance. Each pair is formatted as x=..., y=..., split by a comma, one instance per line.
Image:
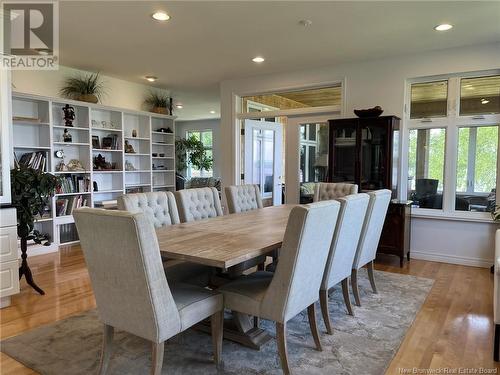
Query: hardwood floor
x=454, y=328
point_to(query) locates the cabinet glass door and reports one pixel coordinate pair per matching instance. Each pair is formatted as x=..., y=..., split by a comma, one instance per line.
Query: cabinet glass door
x=374, y=151
x=344, y=153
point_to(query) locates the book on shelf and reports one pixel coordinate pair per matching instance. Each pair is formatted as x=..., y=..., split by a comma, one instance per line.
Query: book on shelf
x=36, y=160
x=65, y=206
x=74, y=184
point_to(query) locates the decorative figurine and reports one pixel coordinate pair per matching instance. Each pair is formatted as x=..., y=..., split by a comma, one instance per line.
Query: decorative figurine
x=129, y=149
x=69, y=115
x=129, y=166
x=134, y=133
x=66, y=136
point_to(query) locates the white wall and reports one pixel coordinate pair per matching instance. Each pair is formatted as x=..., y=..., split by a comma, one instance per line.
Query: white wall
x=119, y=93
x=210, y=124
x=381, y=82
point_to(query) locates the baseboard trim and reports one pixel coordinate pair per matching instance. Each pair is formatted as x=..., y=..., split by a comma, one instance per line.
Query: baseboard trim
x=453, y=259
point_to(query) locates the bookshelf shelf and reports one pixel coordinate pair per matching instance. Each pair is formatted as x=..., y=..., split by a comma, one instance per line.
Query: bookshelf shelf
x=38, y=128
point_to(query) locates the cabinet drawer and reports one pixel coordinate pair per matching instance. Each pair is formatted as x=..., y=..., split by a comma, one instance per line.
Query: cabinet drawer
x=8, y=244
x=8, y=217
x=9, y=278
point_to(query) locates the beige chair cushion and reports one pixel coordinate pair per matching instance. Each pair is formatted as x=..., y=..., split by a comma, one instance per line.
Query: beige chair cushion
x=325, y=191
x=198, y=204
x=242, y=198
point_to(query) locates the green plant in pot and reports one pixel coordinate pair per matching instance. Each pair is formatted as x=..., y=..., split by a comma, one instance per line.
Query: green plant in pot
x=190, y=151
x=159, y=102
x=31, y=191
x=84, y=87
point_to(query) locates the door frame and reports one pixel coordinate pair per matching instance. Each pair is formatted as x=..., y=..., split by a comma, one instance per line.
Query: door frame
x=292, y=147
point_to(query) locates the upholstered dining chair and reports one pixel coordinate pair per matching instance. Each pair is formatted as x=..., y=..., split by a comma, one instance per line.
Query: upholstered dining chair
x=295, y=284
x=161, y=210
x=370, y=236
x=198, y=204
x=342, y=251
x=131, y=290
x=332, y=190
x=241, y=198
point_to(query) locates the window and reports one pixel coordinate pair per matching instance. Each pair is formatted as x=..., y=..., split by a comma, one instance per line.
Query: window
x=429, y=99
x=476, y=168
x=206, y=137
x=453, y=144
x=479, y=96
x=313, y=152
x=426, y=167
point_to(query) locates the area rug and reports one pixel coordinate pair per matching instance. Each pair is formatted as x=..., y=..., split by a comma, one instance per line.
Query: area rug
x=363, y=344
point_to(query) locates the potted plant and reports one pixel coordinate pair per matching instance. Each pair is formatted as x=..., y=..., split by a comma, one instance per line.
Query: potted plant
x=190, y=151
x=31, y=190
x=86, y=88
x=159, y=102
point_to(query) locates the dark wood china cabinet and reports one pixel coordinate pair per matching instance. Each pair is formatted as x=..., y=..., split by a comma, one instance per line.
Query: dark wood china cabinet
x=364, y=151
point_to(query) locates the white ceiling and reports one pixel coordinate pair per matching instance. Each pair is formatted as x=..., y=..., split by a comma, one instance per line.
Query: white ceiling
x=206, y=42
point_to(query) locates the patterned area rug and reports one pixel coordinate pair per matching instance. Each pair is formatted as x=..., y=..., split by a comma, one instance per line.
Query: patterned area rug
x=364, y=344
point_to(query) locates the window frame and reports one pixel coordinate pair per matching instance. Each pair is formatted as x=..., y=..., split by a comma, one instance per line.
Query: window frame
x=189, y=168
x=451, y=123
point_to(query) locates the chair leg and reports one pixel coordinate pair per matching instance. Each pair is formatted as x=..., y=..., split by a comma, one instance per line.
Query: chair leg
x=354, y=284
x=158, y=350
x=107, y=348
x=281, y=341
x=311, y=313
x=347, y=299
x=370, y=276
x=217, y=323
x=323, y=300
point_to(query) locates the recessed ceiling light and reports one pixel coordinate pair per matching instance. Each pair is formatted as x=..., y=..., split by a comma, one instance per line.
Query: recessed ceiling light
x=151, y=78
x=484, y=101
x=443, y=27
x=160, y=16
x=212, y=112
x=179, y=106
x=258, y=59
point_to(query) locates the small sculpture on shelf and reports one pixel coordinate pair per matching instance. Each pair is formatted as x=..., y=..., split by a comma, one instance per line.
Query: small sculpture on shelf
x=165, y=130
x=100, y=164
x=67, y=136
x=69, y=115
x=129, y=166
x=134, y=133
x=75, y=165
x=129, y=149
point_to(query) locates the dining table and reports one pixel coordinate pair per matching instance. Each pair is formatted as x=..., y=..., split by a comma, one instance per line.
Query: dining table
x=224, y=242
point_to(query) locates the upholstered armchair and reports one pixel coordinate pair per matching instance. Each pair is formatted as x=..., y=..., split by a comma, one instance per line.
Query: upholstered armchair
x=241, y=198
x=160, y=209
x=496, y=298
x=132, y=293
x=328, y=190
x=370, y=236
x=342, y=251
x=295, y=284
x=198, y=204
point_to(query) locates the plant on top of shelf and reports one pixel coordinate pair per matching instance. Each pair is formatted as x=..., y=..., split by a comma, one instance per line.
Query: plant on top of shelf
x=496, y=214
x=84, y=87
x=31, y=191
x=159, y=102
x=191, y=151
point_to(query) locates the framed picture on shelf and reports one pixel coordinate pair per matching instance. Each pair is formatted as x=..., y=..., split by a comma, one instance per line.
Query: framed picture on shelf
x=95, y=142
x=107, y=143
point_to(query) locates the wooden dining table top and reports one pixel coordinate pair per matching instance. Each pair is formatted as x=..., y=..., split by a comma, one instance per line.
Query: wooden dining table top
x=228, y=240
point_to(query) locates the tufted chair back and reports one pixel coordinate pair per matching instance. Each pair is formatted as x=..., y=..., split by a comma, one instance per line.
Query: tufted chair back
x=198, y=204
x=159, y=207
x=241, y=198
x=325, y=191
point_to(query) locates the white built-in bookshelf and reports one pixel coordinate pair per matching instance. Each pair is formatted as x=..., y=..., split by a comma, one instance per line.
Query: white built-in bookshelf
x=38, y=129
